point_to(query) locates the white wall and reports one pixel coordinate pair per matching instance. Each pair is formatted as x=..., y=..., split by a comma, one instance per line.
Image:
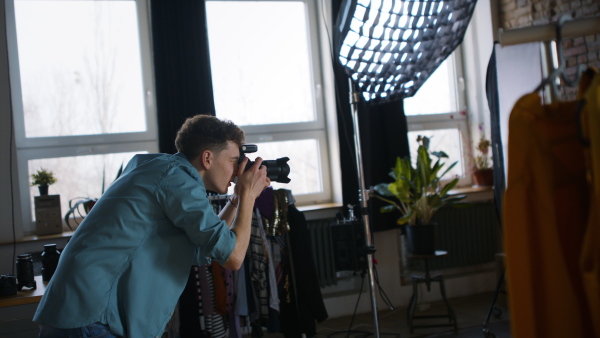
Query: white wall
x=5, y=132
x=477, y=48
x=6, y=149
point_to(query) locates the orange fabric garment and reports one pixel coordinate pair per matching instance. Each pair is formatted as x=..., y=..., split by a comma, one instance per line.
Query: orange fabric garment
x=590, y=255
x=545, y=218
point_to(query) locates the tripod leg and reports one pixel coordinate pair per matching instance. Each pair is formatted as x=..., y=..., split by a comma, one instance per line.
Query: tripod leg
x=493, y=304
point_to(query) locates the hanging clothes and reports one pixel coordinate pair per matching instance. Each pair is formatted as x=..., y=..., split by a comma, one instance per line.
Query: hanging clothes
x=300, y=300
x=219, y=303
x=258, y=274
x=590, y=254
x=306, y=306
x=546, y=210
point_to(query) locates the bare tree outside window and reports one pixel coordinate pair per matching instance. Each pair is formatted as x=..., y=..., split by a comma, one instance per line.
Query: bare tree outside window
x=79, y=81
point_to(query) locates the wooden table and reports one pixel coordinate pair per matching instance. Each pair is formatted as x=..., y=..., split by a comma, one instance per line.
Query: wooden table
x=25, y=296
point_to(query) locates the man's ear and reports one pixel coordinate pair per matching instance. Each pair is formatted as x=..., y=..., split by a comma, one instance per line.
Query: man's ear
x=206, y=158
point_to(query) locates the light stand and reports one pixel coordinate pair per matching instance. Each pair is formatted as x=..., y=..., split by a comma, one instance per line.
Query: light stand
x=389, y=48
x=363, y=196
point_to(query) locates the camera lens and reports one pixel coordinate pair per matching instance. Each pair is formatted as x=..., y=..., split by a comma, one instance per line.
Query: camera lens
x=277, y=170
x=50, y=258
x=8, y=285
x=25, y=276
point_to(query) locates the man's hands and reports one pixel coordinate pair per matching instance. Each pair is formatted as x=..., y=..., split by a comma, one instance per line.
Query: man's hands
x=251, y=182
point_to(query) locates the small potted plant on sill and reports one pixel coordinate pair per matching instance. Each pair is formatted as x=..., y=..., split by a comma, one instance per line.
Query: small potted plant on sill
x=417, y=192
x=43, y=179
x=483, y=172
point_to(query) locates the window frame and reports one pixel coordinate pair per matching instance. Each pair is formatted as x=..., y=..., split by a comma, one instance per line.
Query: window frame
x=451, y=120
x=316, y=129
x=79, y=145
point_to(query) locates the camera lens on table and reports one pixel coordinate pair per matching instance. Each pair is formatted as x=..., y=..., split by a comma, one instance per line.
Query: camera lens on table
x=25, y=277
x=8, y=285
x=50, y=258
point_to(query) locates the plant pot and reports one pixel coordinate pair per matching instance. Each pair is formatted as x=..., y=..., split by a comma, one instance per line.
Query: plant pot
x=87, y=206
x=484, y=177
x=421, y=239
x=43, y=190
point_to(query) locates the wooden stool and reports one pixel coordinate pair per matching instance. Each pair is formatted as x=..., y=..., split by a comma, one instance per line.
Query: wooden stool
x=428, y=279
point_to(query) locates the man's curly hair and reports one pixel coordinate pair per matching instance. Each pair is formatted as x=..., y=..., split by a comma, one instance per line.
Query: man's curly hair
x=206, y=132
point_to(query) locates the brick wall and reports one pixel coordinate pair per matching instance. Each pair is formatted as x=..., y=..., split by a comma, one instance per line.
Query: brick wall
x=579, y=50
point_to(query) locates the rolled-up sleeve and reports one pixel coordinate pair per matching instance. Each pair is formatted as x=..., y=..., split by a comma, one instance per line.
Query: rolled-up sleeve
x=184, y=201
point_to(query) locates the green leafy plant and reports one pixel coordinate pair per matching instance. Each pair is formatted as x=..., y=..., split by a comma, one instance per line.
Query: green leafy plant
x=79, y=207
x=417, y=191
x=43, y=177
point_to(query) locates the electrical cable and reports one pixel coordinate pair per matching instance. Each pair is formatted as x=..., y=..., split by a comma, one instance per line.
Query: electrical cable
x=384, y=296
x=12, y=193
x=349, y=331
x=364, y=333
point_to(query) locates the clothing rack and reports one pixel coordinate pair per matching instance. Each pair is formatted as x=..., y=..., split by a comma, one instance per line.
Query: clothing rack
x=215, y=198
x=546, y=34
x=573, y=28
x=274, y=296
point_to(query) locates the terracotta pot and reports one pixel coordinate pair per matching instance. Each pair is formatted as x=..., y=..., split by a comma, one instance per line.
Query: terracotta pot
x=484, y=177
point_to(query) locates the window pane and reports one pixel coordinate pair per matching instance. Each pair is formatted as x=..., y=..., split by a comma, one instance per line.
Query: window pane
x=79, y=176
x=446, y=140
x=438, y=93
x=80, y=67
x=304, y=163
x=260, y=61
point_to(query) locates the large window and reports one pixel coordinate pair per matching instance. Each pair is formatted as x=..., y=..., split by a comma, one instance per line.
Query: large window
x=83, y=97
x=267, y=78
x=437, y=111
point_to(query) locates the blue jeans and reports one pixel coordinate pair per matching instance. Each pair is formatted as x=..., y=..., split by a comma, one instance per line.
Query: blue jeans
x=90, y=331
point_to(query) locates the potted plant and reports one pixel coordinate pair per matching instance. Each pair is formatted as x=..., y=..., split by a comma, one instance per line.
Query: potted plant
x=79, y=207
x=483, y=172
x=417, y=192
x=43, y=178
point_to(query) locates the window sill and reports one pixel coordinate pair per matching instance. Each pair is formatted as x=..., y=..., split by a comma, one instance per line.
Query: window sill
x=320, y=211
x=474, y=193
x=35, y=238
x=312, y=212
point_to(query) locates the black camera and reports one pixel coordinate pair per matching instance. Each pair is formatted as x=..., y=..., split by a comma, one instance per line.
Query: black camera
x=8, y=285
x=277, y=170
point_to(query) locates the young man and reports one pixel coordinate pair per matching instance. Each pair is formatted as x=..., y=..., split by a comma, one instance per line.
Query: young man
x=126, y=265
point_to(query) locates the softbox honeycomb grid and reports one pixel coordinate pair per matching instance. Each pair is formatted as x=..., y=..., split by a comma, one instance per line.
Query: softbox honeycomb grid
x=389, y=48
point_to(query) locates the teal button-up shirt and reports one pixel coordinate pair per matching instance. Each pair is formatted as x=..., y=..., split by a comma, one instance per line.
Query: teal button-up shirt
x=129, y=260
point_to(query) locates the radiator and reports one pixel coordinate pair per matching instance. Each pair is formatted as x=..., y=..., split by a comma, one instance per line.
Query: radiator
x=320, y=237
x=470, y=235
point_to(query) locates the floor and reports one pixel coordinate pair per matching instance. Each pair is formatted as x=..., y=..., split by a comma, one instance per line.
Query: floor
x=470, y=311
